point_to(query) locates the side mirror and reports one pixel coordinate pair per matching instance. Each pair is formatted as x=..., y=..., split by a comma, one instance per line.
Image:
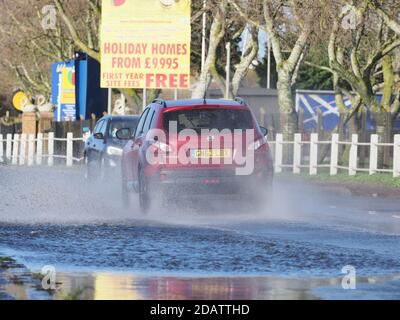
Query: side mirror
x=124, y=134
x=264, y=131
x=98, y=136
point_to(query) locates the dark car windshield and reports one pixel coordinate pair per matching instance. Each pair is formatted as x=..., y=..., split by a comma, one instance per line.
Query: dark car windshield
x=120, y=124
x=198, y=119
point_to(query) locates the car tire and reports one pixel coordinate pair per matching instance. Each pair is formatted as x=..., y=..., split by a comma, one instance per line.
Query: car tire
x=144, y=197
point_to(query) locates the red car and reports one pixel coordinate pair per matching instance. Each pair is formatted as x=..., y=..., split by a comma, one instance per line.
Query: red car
x=195, y=146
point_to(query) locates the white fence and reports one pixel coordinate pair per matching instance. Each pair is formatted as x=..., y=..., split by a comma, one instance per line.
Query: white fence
x=333, y=165
x=30, y=150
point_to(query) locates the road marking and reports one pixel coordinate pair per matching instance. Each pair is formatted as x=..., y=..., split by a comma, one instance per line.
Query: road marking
x=396, y=217
x=372, y=212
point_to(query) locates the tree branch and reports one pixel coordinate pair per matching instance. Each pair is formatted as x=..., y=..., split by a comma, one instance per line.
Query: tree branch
x=74, y=34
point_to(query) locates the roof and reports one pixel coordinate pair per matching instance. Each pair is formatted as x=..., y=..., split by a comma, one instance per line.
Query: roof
x=197, y=102
x=121, y=118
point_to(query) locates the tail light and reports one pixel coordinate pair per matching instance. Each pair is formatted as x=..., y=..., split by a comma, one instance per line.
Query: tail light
x=258, y=144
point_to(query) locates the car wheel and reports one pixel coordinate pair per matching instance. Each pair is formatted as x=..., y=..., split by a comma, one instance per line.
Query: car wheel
x=144, y=198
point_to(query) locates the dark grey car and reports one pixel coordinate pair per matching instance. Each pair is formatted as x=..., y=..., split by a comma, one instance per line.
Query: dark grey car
x=103, y=150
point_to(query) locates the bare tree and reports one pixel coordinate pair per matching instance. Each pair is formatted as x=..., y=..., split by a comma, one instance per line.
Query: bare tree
x=289, y=26
x=249, y=54
x=28, y=49
x=217, y=33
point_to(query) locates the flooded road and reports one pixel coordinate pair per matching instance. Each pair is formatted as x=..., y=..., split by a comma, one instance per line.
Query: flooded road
x=294, y=247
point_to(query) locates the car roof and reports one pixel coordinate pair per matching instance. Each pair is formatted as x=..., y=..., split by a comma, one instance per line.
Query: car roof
x=205, y=102
x=120, y=118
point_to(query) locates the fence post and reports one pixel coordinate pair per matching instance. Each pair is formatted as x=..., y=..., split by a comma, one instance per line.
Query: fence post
x=9, y=147
x=70, y=146
x=50, y=160
x=22, y=153
x=15, y=149
x=334, y=154
x=396, y=156
x=31, y=149
x=313, y=154
x=297, y=153
x=373, y=154
x=278, y=152
x=1, y=148
x=353, y=155
x=39, y=149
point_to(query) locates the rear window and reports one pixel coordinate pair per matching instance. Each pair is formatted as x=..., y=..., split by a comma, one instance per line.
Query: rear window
x=198, y=119
x=121, y=124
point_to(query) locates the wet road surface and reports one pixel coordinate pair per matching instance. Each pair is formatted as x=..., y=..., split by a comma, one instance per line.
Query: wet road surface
x=295, y=247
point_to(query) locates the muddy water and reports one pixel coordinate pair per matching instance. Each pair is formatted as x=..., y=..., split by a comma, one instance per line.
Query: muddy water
x=293, y=248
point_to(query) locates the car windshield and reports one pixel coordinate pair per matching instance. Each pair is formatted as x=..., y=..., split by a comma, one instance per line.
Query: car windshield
x=120, y=124
x=198, y=119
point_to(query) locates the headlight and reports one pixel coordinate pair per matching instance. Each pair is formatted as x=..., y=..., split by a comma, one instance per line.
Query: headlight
x=114, y=151
x=257, y=144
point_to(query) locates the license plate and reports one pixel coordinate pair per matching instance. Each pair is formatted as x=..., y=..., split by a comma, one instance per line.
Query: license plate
x=211, y=153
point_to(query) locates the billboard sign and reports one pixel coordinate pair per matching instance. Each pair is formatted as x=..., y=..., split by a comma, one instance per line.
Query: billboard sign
x=145, y=44
x=63, y=90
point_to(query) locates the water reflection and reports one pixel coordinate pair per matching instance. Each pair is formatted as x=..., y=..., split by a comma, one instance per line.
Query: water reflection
x=107, y=286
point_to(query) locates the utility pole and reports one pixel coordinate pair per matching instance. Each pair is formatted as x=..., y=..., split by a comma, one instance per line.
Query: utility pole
x=109, y=101
x=203, y=37
x=269, y=64
x=144, y=98
x=228, y=70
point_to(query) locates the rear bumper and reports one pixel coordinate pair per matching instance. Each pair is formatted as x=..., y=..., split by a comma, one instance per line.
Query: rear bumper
x=209, y=181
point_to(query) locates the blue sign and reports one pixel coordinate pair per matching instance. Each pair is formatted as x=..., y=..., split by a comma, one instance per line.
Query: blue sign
x=324, y=102
x=63, y=90
x=76, y=92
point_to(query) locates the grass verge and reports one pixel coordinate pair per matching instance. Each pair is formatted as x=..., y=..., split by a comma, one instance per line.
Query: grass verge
x=379, y=179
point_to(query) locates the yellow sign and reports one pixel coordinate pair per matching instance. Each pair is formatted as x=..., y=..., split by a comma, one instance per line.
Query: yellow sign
x=67, y=86
x=145, y=44
x=20, y=100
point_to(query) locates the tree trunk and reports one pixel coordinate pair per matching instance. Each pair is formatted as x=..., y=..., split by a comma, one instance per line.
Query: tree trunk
x=250, y=53
x=289, y=120
x=217, y=33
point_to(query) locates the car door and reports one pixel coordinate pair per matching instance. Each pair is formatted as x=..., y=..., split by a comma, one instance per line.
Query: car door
x=91, y=143
x=102, y=143
x=133, y=146
x=99, y=141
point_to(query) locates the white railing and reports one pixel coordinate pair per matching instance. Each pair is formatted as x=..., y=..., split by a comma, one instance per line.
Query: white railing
x=30, y=150
x=333, y=165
